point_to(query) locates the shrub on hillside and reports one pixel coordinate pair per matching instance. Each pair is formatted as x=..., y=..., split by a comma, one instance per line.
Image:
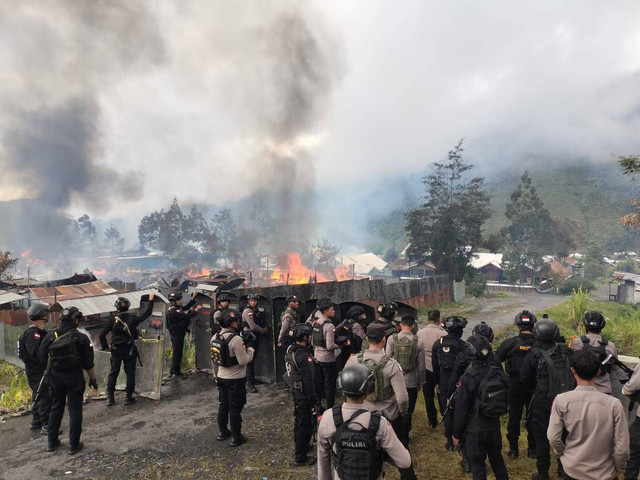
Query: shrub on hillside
x=575, y=283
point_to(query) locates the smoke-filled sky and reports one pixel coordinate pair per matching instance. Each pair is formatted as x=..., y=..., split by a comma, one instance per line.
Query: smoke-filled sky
x=114, y=107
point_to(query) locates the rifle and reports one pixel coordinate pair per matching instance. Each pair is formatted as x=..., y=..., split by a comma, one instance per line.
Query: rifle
x=134, y=352
x=610, y=360
x=41, y=385
x=451, y=401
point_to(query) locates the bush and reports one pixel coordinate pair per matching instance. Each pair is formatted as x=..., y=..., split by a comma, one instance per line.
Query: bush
x=18, y=395
x=475, y=284
x=575, y=283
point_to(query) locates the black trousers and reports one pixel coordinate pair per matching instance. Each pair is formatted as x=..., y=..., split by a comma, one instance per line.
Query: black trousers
x=251, y=367
x=66, y=386
x=303, y=425
x=326, y=376
x=232, y=397
x=448, y=418
x=479, y=446
x=40, y=412
x=428, y=390
x=413, y=398
x=177, y=344
x=540, y=414
x=633, y=465
x=399, y=429
x=519, y=400
x=120, y=355
x=341, y=360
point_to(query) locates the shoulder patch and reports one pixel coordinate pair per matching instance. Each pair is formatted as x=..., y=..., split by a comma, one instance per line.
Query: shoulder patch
x=36, y=335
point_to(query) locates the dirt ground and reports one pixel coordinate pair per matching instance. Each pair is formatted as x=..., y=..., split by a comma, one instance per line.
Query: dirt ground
x=175, y=437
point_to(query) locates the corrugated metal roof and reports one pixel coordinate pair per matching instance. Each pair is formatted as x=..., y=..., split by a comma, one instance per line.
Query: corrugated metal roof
x=104, y=303
x=68, y=292
x=8, y=297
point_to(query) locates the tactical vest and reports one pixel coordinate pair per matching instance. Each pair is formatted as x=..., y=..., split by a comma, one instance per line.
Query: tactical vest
x=553, y=374
x=515, y=357
x=23, y=353
x=317, y=337
x=381, y=391
x=405, y=351
x=120, y=333
x=357, y=455
x=220, y=354
x=293, y=367
x=448, y=352
x=600, y=351
x=63, y=352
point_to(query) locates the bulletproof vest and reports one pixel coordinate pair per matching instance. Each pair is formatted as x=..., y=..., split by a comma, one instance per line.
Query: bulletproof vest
x=258, y=317
x=357, y=455
x=553, y=373
x=515, y=357
x=213, y=324
x=317, y=337
x=381, y=391
x=448, y=351
x=600, y=350
x=220, y=354
x=63, y=352
x=405, y=351
x=491, y=396
x=120, y=333
x=23, y=353
x=293, y=367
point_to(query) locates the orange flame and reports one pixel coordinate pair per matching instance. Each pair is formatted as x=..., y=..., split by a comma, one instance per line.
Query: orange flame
x=342, y=272
x=198, y=273
x=100, y=272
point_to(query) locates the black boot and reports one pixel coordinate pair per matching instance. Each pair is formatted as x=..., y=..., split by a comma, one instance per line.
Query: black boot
x=111, y=399
x=129, y=400
x=236, y=441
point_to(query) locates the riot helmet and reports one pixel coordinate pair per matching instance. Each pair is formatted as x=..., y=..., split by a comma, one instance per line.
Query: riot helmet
x=175, y=296
x=38, y=311
x=455, y=325
x=292, y=298
x=228, y=317
x=485, y=330
x=253, y=296
x=546, y=330
x=122, y=304
x=357, y=380
x=525, y=319
x=479, y=346
x=593, y=321
x=355, y=311
x=223, y=297
x=302, y=330
x=388, y=310
x=70, y=314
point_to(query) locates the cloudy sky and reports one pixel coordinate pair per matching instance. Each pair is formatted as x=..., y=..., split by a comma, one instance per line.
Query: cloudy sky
x=114, y=107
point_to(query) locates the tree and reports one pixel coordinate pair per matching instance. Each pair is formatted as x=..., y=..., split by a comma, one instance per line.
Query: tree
x=171, y=233
x=83, y=234
x=6, y=264
x=447, y=227
x=113, y=240
x=149, y=229
x=224, y=228
x=631, y=166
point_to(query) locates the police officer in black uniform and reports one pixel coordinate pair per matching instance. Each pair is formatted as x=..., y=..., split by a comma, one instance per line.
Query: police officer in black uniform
x=178, y=323
x=300, y=369
x=513, y=352
x=68, y=352
x=124, y=332
x=222, y=303
x=253, y=323
x=28, y=346
x=444, y=355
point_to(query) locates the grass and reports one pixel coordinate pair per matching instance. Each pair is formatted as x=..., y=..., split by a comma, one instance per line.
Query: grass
x=14, y=387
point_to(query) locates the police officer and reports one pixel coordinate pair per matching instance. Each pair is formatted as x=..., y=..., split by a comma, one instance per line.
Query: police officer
x=594, y=322
x=356, y=382
x=178, y=323
x=632, y=390
x=222, y=303
x=444, y=354
x=429, y=335
x=253, y=322
x=124, y=332
x=390, y=396
x=300, y=368
x=231, y=378
x=513, y=352
x=357, y=318
x=288, y=319
x=481, y=431
x=28, y=346
x=69, y=352
x=535, y=372
x=324, y=350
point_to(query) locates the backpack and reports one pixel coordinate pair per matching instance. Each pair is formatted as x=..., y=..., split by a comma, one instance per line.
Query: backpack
x=381, y=392
x=515, y=357
x=404, y=351
x=23, y=354
x=491, y=398
x=600, y=351
x=317, y=337
x=120, y=333
x=63, y=352
x=554, y=372
x=357, y=455
x=220, y=351
x=448, y=353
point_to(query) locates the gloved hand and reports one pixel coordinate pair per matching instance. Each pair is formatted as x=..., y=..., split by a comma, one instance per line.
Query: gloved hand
x=250, y=339
x=93, y=383
x=407, y=473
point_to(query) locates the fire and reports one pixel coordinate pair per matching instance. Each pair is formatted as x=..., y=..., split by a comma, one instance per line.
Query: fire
x=199, y=273
x=31, y=261
x=99, y=272
x=295, y=272
x=342, y=272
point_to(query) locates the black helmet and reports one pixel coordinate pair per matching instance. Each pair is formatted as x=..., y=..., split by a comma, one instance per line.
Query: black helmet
x=593, y=321
x=388, y=310
x=485, y=330
x=228, y=317
x=175, y=296
x=302, y=330
x=38, y=311
x=355, y=311
x=253, y=296
x=479, y=346
x=546, y=330
x=122, y=304
x=70, y=314
x=324, y=303
x=223, y=297
x=357, y=380
x=525, y=318
x=292, y=298
x=455, y=324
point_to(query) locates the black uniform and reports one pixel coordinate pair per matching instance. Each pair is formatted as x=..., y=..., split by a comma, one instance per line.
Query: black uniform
x=444, y=355
x=344, y=338
x=178, y=322
x=530, y=374
x=29, y=343
x=513, y=352
x=123, y=349
x=481, y=434
x=260, y=329
x=300, y=367
x=67, y=381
